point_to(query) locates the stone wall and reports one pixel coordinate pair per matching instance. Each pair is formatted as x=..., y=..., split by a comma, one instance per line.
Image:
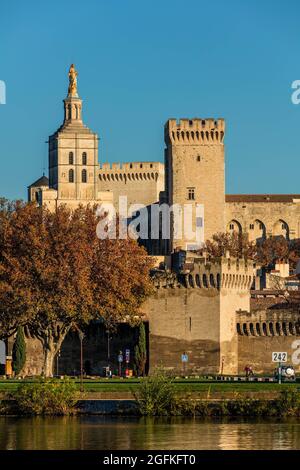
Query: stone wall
x=95, y=351
x=262, y=216
x=265, y=331
x=198, y=316
x=141, y=182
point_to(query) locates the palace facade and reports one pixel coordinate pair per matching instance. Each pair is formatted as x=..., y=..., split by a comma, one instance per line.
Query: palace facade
x=204, y=307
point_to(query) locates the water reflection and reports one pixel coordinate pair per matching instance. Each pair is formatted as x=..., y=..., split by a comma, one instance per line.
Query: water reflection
x=94, y=432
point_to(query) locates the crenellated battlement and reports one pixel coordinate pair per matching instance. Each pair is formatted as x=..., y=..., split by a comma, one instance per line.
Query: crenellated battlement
x=132, y=171
x=217, y=273
x=281, y=322
x=195, y=131
x=129, y=166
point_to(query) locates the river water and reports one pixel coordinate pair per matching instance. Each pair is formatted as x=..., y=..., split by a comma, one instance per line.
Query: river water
x=105, y=433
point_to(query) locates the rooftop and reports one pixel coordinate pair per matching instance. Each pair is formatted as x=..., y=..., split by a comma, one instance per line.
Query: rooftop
x=261, y=197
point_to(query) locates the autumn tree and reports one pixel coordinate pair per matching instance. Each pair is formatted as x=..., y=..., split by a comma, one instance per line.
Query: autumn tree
x=272, y=249
x=238, y=245
x=55, y=274
x=265, y=252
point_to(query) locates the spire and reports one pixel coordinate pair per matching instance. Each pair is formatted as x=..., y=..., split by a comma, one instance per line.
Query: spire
x=73, y=104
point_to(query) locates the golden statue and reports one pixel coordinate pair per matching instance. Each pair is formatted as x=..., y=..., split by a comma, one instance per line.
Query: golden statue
x=72, y=90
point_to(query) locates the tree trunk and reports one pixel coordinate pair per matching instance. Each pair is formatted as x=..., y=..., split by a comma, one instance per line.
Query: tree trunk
x=51, y=341
x=49, y=355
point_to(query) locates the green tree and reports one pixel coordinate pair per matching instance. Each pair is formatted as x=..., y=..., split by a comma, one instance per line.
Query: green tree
x=19, y=351
x=140, y=351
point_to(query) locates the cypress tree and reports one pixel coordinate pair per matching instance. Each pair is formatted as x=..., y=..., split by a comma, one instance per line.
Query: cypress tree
x=140, y=351
x=19, y=351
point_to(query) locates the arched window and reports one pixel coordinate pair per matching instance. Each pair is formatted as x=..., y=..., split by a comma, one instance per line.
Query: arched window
x=71, y=176
x=264, y=328
x=205, y=283
x=84, y=158
x=71, y=158
x=83, y=176
x=277, y=326
x=212, y=280
x=191, y=280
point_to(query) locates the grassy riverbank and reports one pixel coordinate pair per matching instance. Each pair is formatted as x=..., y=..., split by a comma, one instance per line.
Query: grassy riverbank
x=181, y=386
x=157, y=395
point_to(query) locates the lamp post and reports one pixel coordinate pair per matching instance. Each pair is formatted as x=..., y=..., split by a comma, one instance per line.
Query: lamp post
x=81, y=337
x=108, y=348
x=57, y=358
x=108, y=352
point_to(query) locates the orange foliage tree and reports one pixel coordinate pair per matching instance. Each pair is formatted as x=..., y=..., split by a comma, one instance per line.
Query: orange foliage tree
x=55, y=274
x=236, y=244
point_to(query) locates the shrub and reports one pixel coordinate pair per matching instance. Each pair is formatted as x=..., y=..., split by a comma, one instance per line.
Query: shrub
x=48, y=396
x=155, y=394
x=288, y=403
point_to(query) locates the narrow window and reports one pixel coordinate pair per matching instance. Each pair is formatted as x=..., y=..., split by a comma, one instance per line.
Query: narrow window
x=71, y=176
x=191, y=194
x=84, y=158
x=198, y=158
x=83, y=176
x=71, y=158
x=251, y=226
x=190, y=323
x=231, y=227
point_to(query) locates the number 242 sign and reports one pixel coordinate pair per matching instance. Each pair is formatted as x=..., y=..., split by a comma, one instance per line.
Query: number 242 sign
x=279, y=356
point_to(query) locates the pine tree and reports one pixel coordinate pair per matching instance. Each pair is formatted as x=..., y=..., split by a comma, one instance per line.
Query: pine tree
x=140, y=351
x=19, y=351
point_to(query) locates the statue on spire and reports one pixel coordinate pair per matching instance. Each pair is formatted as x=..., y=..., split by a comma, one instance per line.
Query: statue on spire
x=72, y=90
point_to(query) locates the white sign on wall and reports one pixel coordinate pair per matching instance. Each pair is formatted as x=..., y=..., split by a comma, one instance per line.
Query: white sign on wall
x=279, y=356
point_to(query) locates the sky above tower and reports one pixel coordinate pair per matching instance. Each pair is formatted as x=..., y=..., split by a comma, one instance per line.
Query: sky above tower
x=140, y=63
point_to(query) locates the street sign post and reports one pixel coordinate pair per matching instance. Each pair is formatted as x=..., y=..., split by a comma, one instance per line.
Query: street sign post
x=184, y=360
x=127, y=360
x=120, y=360
x=279, y=357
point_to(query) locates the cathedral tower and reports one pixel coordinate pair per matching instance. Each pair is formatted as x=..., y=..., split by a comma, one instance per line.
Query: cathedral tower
x=194, y=171
x=73, y=152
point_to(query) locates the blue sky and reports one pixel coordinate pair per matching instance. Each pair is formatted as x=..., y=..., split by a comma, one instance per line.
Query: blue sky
x=141, y=63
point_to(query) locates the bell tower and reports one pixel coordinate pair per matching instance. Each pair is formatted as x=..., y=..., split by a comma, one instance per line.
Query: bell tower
x=73, y=152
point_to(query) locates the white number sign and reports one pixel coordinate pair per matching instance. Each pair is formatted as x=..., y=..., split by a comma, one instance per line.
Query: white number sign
x=279, y=356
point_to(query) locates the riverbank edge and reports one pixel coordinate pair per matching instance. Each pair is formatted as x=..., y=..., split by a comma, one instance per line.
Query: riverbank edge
x=130, y=407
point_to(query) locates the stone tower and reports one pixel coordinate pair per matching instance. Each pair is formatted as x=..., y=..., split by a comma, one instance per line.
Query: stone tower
x=73, y=153
x=194, y=172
